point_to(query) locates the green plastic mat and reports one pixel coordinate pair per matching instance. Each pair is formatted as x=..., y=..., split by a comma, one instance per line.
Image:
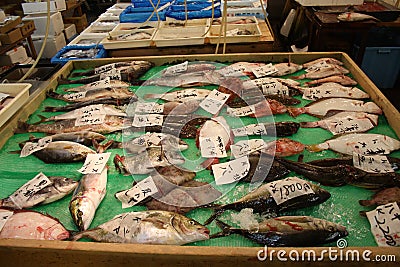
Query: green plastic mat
x=342, y=207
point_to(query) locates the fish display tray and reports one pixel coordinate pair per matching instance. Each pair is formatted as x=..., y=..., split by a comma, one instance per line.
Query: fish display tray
x=213, y=34
x=232, y=20
x=228, y=251
x=134, y=26
x=86, y=40
x=58, y=60
x=114, y=44
x=20, y=94
x=178, y=36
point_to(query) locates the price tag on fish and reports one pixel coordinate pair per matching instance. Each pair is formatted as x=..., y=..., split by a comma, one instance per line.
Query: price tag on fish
x=149, y=107
x=90, y=119
x=112, y=75
x=90, y=110
x=286, y=189
x=30, y=147
x=214, y=101
x=318, y=66
x=142, y=120
x=246, y=147
x=3, y=96
x=241, y=112
x=105, y=68
x=264, y=70
x=348, y=125
x=122, y=224
x=274, y=88
x=26, y=191
x=385, y=224
x=233, y=70
x=74, y=96
x=139, y=192
x=104, y=83
x=251, y=129
x=4, y=216
x=212, y=147
x=373, y=163
x=176, y=69
x=94, y=163
x=232, y=171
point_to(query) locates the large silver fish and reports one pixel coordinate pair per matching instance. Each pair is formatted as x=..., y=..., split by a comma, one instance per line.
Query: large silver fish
x=115, y=93
x=103, y=84
x=354, y=16
x=83, y=137
x=181, y=95
x=141, y=143
x=341, y=79
x=148, y=227
x=319, y=73
x=331, y=89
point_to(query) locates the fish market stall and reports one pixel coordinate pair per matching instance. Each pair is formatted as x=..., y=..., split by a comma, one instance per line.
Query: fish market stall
x=332, y=204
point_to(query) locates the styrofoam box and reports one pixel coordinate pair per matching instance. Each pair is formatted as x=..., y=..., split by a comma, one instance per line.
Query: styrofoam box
x=114, y=44
x=178, y=36
x=214, y=32
x=13, y=56
x=56, y=23
x=69, y=30
x=86, y=40
x=41, y=7
x=329, y=2
x=92, y=31
x=53, y=44
x=20, y=94
x=103, y=26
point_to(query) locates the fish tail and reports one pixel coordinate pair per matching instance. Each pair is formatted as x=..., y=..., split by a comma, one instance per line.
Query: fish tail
x=54, y=95
x=101, y=148
x=51, y=109
x=309, y=124
x=151, y=96
x=294, y=112
x=365, y=203
x=137, y=82
x=314, y=148
x=118, y=163
x=22, y=127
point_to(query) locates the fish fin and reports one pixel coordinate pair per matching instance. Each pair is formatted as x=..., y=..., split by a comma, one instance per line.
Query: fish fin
x=42, y=119
x=309, y=124
x=50, y=109
x=215, y=215
x=300, y=158
x=294, y=112
x=365, y=203
x=363, y=213
x=151, y=96
x=22, y=127
x=137, y=82
x=314, y=148
x=118, y=164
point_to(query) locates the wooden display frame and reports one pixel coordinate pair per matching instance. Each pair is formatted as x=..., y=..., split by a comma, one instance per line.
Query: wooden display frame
x=17, y=252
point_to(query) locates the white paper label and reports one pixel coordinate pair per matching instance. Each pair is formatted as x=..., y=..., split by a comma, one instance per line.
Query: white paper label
x=90, y=110
x=251, y=129
x=233, y=70
x=149, y=107
x=348, y=125
x=176, y=69
x=232, y=32
x=74, y=96
x=370, y=146
x=264, y=70
x=112, y=75
x=373, y=163
x=246, y=147
x=3, y=96
x=95, y=163
x=212, y=147
x=30, y=148
x=214, y=101
x=318, y=66
x=241, y=112
x=4, y=216
x=286, y=189
x=105, y=68
x=189, y=94
x=26, y=191
x=123, y=224
x=385, y=224
x=139, y=192
x=90, y=119
x=142, y=120
x=149, y=140
x=232, y=171
x=105, y=83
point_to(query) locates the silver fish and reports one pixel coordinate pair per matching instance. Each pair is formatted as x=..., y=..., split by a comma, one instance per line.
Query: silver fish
x=327, y=60
x=341, y=79
x=191, y=67
x=141, y=143
x=148, y=227
x=102, y=84
x=324, y=72
x=115, y=93
x=181, y=95
x=139, y=35
x=354, y=16
x=331, y=89
x=190, y=79
x=83, y=137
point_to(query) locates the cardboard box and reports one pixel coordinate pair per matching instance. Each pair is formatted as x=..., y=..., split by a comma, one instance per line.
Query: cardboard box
x=26, y=27
x=53, y=44
x=56, y=23
x=11, y=37
x=41, y=7
x=69, y=31
x=13, y=21
x=13, y=56
x=80, y=22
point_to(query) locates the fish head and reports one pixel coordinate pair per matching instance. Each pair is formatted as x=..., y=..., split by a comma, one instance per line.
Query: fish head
x=82, y=211
x=287, y=147
x=189, y=229
x=64, y=184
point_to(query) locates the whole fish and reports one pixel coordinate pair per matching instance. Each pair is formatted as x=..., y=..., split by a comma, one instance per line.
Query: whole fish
x=148, y=227
x=248, y=100
x=319, y=73
x=280, y=129
x=354, y=16
x=341, y=79
x=103, y=101
x=383, y=197
x=262, y=201
x=327, y=60
x=286, y=69
x=87, y=197
x=57, y=189
x=288, y=231
x=283, y=147
x=191, y=67
x=141, y=143
x=27, y=224
x=345, y=122
x=190, y=79
x=103, y=68
x=361, y=143
x=181, y=95
x=102, y=84
x=246, y=68
x=269, y=86
x=83, y=137
x=331, y=89
x=263, y=108
x=116, y=93
x=322, y=107
x=173, y=108
x=139, y=35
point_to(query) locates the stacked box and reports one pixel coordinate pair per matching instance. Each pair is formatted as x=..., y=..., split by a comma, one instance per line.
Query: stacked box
x=56, y=23
x=41, y=7
x=14, y=56
x=53, y=44
x=80, y=22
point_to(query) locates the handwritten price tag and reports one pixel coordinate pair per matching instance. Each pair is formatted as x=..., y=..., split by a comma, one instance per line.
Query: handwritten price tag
x=139, y=192
x=149, y=107
x=373, y=163
x=90, y=119
x=348, y=125
x=241, y=112
x=232, y=171
x=3, y=96
x=212, y=147
x=233, y=70
x=105, y=83
x=112, y=75
x=123, y=224
x=385, y=224
x=264, y=70
x=176, y=69
x=26, y=191
x=251, y=129
x=94, y=163
x=30, y=147
x=318, y=66
x=4, y=216
x=214, y=101
x=90, y=110
x=105, y=68
x=147, y=120
x=74, y=96
x=246, y=147
x=286, y=189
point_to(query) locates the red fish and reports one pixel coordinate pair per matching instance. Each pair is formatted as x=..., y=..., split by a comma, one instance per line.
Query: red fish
x=284, y=147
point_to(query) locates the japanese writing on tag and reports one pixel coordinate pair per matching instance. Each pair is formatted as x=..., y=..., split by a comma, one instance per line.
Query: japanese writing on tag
x=212, y=147
x=385, y=224
x=348, y=125
x=112, y=75
x=232, y=171
x=214, y=101
x=246, y=147
x=3, y=96
x=4, y=216
x=176, y=69
x=90, y=119
x=94, y=163
x=371, y=147
x=149, y=139
x=105, y=68
x=149, y=107
x=75, y=96
x=99, y=84
x=318, y=66
x=147, y=120
x=251, y=129
x=26, y=191
x=288, y=188
x=233, y=70
x=241, y=112
x=373, y=163
x=90, y=110
x=264, y=70
x=123, y=224
x=139, y=192
x=187, y=94
x=30, y=147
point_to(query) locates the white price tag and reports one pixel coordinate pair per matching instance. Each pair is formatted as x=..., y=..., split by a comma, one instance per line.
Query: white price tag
x=142, y=120
x=139, y=192
x=112, y=75
x=4, y=216
x=318, y=66
x=90, y=119
x=94, y=163
x=246, y=147
x=232, y=171
x=176, y=69
x=212, y=147
x=148, y=140
x=241, y=112
x=189, y=94
x=264, y=70
x=348, y=125
x=105, y=83
x=74, y=96
x=373, y=163
x=288, y=188
x=90, y=110
x=149, y=107
x=251, y=129
x=233, y=32
x=105, y=68
x=30, y=148
x=214, y=101
x=26, y=191
x=385, y=224
x=233, y=70
x=123, y=224
x=3, y=96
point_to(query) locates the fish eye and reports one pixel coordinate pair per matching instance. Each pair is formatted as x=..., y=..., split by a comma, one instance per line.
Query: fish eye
x=192, y=222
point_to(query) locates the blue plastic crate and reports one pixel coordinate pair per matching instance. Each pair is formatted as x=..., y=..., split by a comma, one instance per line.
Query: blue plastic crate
x=140, y=17
x=195, y=10
x=102, y=53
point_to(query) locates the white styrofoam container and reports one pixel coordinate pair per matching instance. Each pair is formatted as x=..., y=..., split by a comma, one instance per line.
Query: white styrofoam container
x=108, y=17
x=69, y=31
x=13, y=56
x=329, y=2
x=41, y=7
x=56, y=23
x=53, y=44
x=114, y=44
x=170, y=22
x=232, y=20
x=135, y=26
x=20, y=94
x=86, y=40
x=94, y=31
x=103, y=26
x=178, y=36
x=214, y=32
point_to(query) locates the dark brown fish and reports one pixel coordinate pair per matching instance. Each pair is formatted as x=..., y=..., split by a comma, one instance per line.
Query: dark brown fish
x=107, y=100
x=382, y=197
